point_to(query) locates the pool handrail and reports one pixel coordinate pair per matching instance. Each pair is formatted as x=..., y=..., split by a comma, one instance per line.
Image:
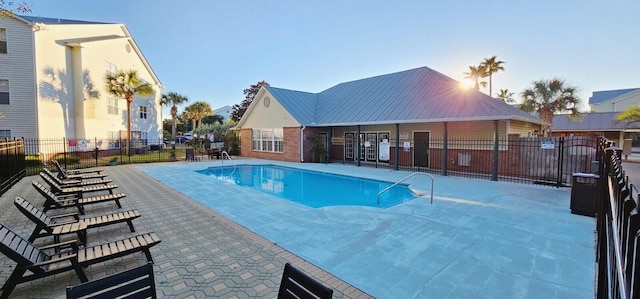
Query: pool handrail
x=402, y=180
x=222, y=156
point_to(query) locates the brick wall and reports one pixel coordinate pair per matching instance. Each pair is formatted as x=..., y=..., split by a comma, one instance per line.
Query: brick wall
x=291, y=146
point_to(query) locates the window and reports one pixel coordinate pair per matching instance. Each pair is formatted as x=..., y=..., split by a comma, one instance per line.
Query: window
x=3, y=41
x=143, y=112
x=267, y=140
x=4, y=92
x=112, y=106
x=5, y=134
x=110, y=68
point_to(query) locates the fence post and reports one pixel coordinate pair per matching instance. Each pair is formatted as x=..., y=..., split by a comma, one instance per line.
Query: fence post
x=64, y=153
x=494, y=165
x=445, y=150
x=560, y=162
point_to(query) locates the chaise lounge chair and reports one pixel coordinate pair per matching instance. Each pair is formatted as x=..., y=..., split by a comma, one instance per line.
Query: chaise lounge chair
x=81, y=174
x=75, y=183
x=53, y=201
x=41, y=264
x=50, y=226
x=297, y=284
x=134, y=283
x=78, y=191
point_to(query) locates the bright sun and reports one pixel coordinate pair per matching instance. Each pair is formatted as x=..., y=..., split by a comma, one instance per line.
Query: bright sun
x=466, y=84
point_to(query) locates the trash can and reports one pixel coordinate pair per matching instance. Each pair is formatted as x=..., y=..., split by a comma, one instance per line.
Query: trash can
x=584, y=193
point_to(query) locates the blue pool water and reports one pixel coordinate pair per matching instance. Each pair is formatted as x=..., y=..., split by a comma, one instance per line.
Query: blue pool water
x=311, y=188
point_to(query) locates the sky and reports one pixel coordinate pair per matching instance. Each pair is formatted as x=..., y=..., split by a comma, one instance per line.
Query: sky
x=211, y=50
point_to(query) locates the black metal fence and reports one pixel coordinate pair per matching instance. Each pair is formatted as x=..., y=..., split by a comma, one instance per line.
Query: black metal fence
x=74, y=154
x=12, y=163
x=533, y=160
x=618, y=230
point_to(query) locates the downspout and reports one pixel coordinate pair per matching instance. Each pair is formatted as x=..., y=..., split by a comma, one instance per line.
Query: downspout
x=302, y=144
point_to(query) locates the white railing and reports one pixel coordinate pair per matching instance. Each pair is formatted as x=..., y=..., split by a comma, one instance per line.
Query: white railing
x=402, y=180
x=222, y=154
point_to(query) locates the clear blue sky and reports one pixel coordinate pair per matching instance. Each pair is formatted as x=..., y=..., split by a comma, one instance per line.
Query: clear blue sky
x=212, y=50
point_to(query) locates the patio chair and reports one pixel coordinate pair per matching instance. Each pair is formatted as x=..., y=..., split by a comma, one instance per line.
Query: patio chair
x=53, y=226
x=79, y=190
x=134, y=283
x=191, y=155
x=70, y=257
x=81, y=174
x=297, y=284
x=53, y=201
x=75, y=183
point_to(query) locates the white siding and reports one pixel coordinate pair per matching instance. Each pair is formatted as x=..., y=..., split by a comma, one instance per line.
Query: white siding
x=618, y=104
x=524, y=129
x=17, y=66
x=71, y=68
x=274, y=116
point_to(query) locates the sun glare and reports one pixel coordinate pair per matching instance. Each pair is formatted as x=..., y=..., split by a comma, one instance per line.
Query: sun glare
x=466, y=84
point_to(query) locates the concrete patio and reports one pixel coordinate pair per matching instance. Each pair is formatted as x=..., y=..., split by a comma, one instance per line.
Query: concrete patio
x=480, y=239
x=202, y=254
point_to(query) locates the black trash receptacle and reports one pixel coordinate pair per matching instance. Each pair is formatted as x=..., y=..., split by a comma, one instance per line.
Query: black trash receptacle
x=584, y=193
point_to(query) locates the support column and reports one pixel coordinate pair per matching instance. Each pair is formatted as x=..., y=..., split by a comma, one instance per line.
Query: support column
x=397, y=150
x=358, y=146
x=496, y=141
x=445, y=150
x=329, y=136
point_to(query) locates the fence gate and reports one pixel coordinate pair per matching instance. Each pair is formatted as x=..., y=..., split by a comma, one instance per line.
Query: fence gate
x=421, y=149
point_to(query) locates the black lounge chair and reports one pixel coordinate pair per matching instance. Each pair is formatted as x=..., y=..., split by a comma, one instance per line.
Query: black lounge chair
x=75, y=183
x=53, y=201
x=50, y=226
x=134, y=283
x=297, y=284
x=79, y=191
x=80, y=174
x=70, y=257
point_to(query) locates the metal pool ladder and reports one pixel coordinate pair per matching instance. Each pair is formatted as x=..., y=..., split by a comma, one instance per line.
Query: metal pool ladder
x=402, y=180
x=222, y=154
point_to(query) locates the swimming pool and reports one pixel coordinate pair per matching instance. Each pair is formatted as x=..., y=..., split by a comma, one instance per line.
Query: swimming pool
x=312, y=188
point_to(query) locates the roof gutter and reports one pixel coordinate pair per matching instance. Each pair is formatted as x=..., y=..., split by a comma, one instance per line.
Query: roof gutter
x=302, y=143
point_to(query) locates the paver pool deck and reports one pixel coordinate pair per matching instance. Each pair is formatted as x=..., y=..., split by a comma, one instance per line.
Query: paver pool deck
x=480, y=239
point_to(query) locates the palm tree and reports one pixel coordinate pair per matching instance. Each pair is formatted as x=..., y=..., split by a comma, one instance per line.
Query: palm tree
x=506, y=96
x=548, y=97
x=630, y=115
x=197, y=111
x=173, y=99
x=125, y=85
x=491, y=66
x=475, y=73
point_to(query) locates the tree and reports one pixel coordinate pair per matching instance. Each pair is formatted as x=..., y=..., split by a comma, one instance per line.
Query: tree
x=172, y=99
x=506, y=96
x=7, y=9
x=197, y=111
x=249, y=93
x=125, y=85
x=491, y=66
x=475, y=73
x=212, y=119
x=630, y=115
x=547, y=97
